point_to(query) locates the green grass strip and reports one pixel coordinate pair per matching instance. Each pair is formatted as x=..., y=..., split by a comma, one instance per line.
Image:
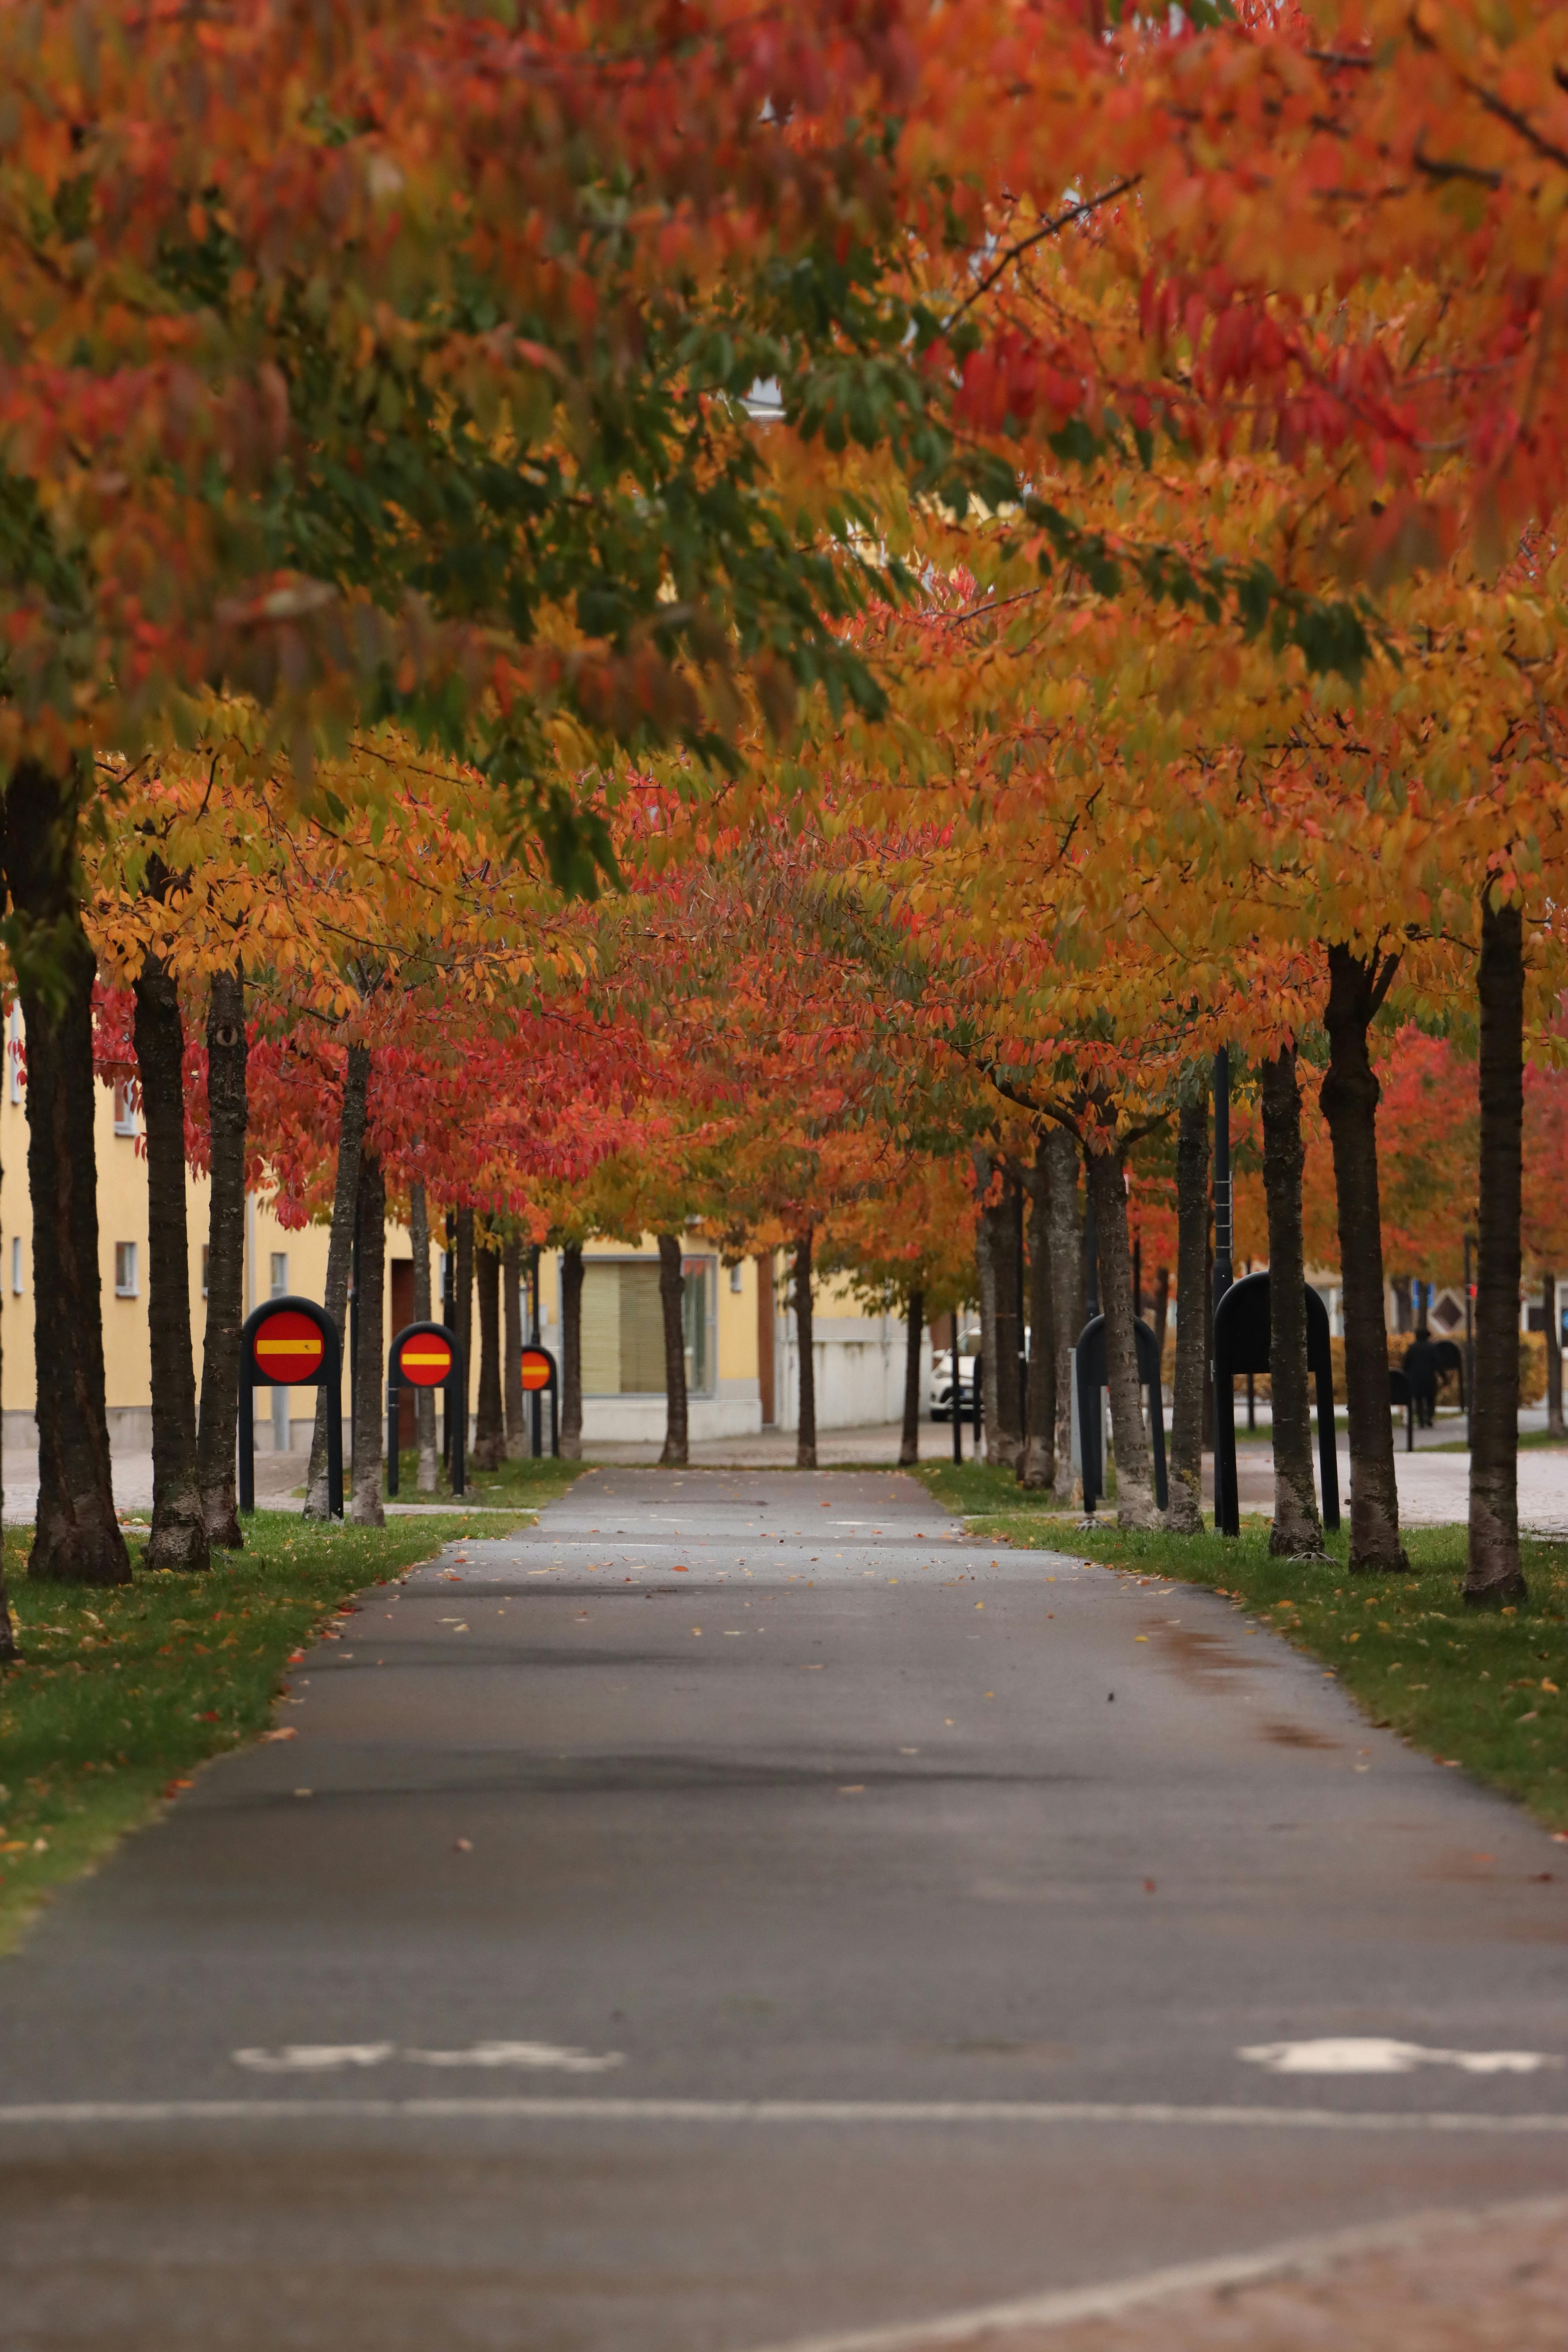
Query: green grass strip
x=119, y=1695
x=1481, y=1690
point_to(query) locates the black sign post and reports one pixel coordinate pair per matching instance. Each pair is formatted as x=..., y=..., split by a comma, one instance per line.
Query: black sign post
x=1241, y=1345
x=426, y=1356
x=291, y=1343
x=538, y=1376
x=1089, y=1358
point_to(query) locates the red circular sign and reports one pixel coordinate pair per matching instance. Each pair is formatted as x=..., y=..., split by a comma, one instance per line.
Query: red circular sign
x=424, y=1360
x=288, y=1347
x=535, y=1368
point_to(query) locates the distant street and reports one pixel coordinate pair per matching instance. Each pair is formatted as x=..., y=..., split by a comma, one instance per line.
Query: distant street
x=744, y=1909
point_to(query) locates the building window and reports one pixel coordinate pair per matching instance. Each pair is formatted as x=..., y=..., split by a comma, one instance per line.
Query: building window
x=280, y=1274
x=124, y=1108
x=623, y=1327
x=16, y=1265
x=125, y=1270
x=206, y=1253
x=13, y=1054
x=735, y=1279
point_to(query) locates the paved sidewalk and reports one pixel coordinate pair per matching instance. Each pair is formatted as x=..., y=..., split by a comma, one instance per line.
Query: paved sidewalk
x=741, y=1911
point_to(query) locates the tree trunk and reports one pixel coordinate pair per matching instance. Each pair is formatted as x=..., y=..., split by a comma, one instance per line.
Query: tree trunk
x=78, y=1536
x=463, y=1303
x=8, y=1651
x=1162, y=1310
x=672, y=1302
x=339, y=1259
x=1186, y=1476
x=1135, y=1505
x=370, y=1386
x=229, y=1118
x=1553, y=1353
x=1298, y=1530
x=805, y=1437
x=1349, y=1098
x=910, y=1443
x=489, y=1433
x=1493, y=1575
x=424, y=1399
x=986, y=1268
x=571, y=1352
x=1036, y=1460
x=517, y=1428
x=179, y=1533
x=1067, y=1289
x=1005, y=1341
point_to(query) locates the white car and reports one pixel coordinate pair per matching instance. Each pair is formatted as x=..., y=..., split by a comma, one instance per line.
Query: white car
x=941, y=1377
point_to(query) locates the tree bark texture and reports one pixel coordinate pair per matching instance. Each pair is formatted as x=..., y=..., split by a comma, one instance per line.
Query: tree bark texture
x=370, y=1386
x=1553, y=1353
x=1037, y=1460
x=914, y=1325
x=672, y=1302
x=1357, y=986
x=489, y=1431
x=424, y=1399
x=1187, y=1471
x=228, y=1117
x=339, y=1262
x=1493, y=1575
x=179, y=1532
x=805, y=1438
x=1067, y=1289
x=1135, y=1505
x=78, y=1536
x=571, y=1352
x=1298, y=1530
x=517, y=1428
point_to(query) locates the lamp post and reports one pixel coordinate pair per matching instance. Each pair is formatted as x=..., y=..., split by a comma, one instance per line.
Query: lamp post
x=1471, y=1242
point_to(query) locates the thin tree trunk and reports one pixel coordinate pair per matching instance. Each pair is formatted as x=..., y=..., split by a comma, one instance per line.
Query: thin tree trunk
x=986, y=1268
x=370, y=1383
x=1186, y=1515
x=1006, y=1340
x=318, y=1503
x=1493, y=1575
x=78, y=1535
x=571, y=1352
x=489, y=1434
x=1036, y=1460
x=1162, y=1310
x=1135, y=1505
x=424, y=1399
x=1067, y=1290
x=463, y=1303
x=914, y=1325
x=1553, y=1353
x=8, y=1651
x=227, y=1123
x=1298, y=1530
x=179, y=1534
x=517, y=1430
x=672, y=1304
x=1349, y=1098
x=805, y=1436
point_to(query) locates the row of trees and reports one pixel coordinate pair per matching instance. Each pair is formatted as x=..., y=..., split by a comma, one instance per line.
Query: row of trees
x=1029, y=547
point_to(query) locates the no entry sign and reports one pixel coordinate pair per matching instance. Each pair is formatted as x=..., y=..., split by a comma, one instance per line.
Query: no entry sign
x=288, y=1347
x=424, y=1360
x=289, y=1343
x=538, y=1369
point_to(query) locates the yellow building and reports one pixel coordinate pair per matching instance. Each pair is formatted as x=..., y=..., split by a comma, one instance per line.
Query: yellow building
x=741, y=1360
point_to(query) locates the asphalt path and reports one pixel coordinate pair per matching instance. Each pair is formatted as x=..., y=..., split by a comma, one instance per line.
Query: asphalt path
x=745, y=1911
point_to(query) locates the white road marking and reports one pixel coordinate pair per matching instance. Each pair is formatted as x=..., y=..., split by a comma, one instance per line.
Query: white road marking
x=1373, y=2055
x=319, y=2058
x=779, y=2110
x=1297, y=2256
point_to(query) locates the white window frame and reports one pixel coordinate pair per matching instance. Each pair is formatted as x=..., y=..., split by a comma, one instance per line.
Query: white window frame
x=278, y=1258
x=125, y=1119
x=16, y=1265
x=127, y=1261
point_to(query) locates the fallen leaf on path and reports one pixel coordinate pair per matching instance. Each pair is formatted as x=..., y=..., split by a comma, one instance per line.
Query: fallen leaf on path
x=284, y=1731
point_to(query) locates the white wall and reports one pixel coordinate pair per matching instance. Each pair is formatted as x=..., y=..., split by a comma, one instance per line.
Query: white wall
x=859, y=1367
